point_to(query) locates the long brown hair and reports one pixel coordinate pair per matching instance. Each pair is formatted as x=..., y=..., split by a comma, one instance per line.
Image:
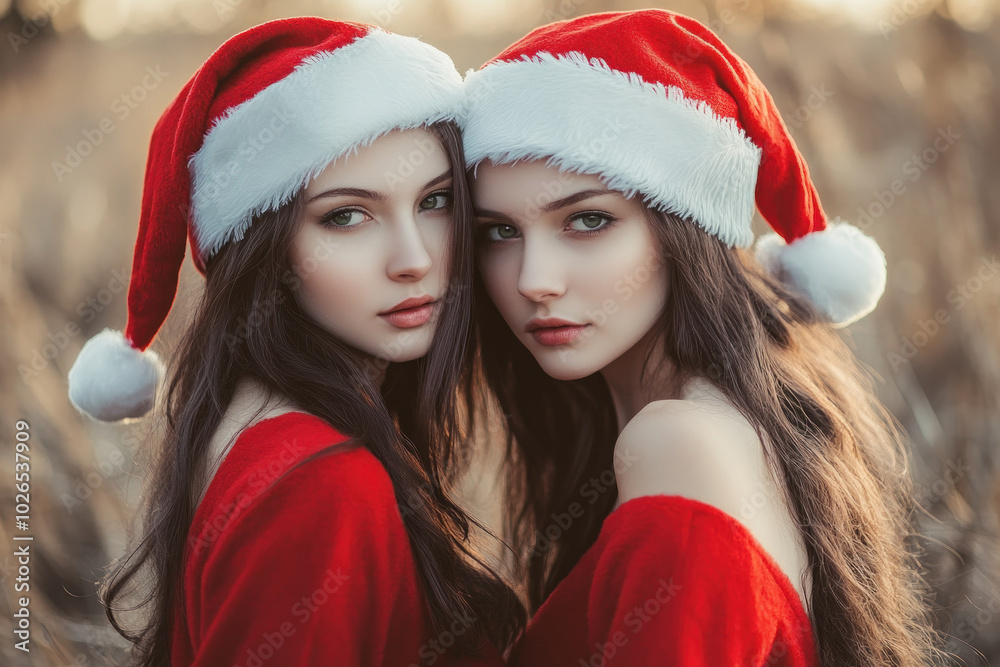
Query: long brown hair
x=249, y=324
x=840, y=455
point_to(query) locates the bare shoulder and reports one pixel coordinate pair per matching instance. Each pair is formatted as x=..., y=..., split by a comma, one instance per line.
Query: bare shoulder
x=704, y=449
x=696, y=433
x=250, y=405
x=689, y=448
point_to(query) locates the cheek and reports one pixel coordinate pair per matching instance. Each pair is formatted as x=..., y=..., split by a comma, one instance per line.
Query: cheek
x=331, y=291
x=437, y=240
x=332, y=275
x=498, y=270
x=626, y=283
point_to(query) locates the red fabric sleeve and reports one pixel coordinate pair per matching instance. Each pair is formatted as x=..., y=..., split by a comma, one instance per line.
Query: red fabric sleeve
x=671, y=581
x=317, y=570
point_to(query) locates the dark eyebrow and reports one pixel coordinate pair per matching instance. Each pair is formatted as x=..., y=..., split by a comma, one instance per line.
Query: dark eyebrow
x=487, y=213
x=574, y=198
x=353, y=192
x=371, y=194
x=434, y=181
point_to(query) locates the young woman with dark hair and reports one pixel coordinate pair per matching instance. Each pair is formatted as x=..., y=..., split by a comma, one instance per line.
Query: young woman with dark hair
x=700, y=472
x=298, y=511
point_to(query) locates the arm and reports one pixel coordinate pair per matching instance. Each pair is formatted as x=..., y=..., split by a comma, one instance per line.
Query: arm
x=676, y=582
x=714, y=456
x=317, y=570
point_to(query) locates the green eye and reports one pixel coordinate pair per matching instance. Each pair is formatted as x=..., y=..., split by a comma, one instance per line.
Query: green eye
x=435, y=201
x=591, y=221
x=345, y=218
x=501, y=232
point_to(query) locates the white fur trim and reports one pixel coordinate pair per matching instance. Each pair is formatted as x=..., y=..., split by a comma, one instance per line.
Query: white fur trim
x=263, y=151
x=840, y=269
x=111, y=380
x=641, y=137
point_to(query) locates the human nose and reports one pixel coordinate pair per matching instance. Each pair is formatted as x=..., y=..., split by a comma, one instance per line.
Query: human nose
x=409, y=259
x=541, y=277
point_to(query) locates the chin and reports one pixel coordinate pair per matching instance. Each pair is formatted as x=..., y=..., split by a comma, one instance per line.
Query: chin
x=406, y=346
x=560, y=364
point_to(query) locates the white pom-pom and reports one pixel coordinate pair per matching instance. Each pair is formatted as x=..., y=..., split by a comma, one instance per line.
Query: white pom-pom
x=111, y=380
x=840, y=269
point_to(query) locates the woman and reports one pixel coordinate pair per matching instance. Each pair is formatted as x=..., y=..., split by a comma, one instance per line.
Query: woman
x=701, y=471
x=312, y=396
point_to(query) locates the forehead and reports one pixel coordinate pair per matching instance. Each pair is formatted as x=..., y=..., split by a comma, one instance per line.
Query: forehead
x=500, y=187
x=397, y=157
x=529, y=172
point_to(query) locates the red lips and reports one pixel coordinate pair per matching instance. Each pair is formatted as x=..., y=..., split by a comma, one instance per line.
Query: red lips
x=550, y=322
x=554, y=331
x=412, y=302
x=413, y=312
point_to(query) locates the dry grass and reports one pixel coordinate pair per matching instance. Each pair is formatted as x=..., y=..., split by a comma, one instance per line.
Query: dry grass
x=860, y=106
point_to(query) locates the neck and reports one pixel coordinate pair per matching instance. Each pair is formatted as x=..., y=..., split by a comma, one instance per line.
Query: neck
x=641, y=375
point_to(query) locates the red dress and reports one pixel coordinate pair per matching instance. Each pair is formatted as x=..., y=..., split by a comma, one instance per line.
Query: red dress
x=671, y=581
x=316, y=570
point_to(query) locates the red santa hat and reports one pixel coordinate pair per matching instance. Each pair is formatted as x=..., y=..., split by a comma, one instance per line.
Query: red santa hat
x=267, y=112
x=654, y=103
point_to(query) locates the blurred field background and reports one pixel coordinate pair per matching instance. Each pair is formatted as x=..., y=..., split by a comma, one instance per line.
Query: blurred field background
x=894, y=104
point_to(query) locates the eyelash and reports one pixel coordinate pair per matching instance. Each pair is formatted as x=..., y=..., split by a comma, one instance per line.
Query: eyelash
x=446, y=192
x=327, y=220
x=611, y=222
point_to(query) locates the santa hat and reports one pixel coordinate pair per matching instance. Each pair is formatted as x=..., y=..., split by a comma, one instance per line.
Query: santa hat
x=654, y=103
x=267, y=112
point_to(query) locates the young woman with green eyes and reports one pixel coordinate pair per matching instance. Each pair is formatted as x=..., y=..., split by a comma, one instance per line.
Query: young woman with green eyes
x=298, y=510
x=700, y=472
